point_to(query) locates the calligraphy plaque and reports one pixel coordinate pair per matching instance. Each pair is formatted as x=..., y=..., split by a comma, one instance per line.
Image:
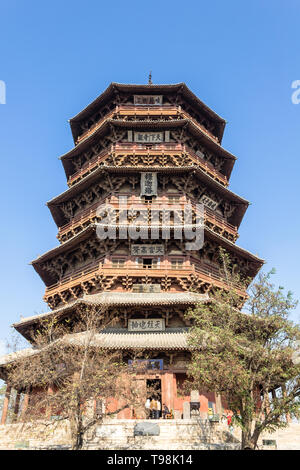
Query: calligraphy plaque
x=200, y=154
x=146, y=324
x=208, y=202
x=149, y=137
x=148, y=184
x=146, y=288
x=147, y=99
x=154, y=250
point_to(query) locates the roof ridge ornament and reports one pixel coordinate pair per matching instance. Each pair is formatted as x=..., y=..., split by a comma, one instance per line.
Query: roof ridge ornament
x=150, y=78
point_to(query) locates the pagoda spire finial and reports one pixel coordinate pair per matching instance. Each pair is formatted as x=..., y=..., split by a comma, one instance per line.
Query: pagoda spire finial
x=150, y=78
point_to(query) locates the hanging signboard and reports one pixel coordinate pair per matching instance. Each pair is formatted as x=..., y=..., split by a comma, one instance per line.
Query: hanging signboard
x=146, y=288
x=147, y=99
x=149, y=137
x=208, y=202
x=146, y=324
x=147, y=250
x=200, y=154
x=148, y=184
x=147, y=363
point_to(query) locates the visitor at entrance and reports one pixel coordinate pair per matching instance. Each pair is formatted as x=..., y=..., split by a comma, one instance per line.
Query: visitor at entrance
x=147, y=406
x=158, y=410
x=153, y=408
x=165, y=411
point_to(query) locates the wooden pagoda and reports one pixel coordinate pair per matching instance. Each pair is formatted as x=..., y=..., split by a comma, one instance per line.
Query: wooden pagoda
x=148, y=146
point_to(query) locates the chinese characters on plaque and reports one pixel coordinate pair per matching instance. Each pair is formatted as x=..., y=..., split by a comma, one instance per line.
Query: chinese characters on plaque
x=146, y=288
x=149, y=137
x=209, y=202
x=148, y=184
x=146, y=324
x=147, y=99
x=147, y=250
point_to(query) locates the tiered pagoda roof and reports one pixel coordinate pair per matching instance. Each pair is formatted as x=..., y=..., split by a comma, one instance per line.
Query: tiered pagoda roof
x=113, y=94
x=107, y=161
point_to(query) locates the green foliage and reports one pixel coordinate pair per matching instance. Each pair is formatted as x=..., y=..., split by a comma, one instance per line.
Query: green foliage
x=246, y=355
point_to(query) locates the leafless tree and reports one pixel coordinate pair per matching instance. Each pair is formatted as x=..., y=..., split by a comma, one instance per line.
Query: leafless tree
x=71, y=375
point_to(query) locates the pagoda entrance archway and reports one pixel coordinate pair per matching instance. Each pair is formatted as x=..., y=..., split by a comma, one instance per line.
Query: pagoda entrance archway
x=154, y=393
x=154, y=389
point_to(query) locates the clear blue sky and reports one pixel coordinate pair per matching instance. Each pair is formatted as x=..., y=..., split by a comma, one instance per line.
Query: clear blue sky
x=240, y=58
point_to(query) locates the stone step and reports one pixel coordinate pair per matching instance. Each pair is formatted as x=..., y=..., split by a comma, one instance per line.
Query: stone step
x=119, y=434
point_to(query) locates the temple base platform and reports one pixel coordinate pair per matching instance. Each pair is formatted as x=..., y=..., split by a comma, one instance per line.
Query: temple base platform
x=119, y=434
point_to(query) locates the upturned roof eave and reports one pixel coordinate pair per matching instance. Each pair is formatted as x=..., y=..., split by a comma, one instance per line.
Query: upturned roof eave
x=111, y=340
x=235, y=246
x=66, y=157
x=92, y=227
x=146, y=88
x=76, y=188
x=73, y=242
x=91, y=176
x=122, y=299
x=69, y=243
x=157, y=123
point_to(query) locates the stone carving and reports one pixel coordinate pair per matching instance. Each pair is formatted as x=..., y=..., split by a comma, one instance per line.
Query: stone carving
x=146, y=429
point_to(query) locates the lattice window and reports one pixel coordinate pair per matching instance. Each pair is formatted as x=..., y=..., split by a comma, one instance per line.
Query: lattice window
x=177, y=263
x=174, y=199
x=148, y=263
x=118, y=263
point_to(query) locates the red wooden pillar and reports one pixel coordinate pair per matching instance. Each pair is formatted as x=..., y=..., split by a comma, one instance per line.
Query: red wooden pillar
x=50, y=391
x=25, y=404
x=5, y=404
x=168, y=390
x=218, y=401
x=16, y=407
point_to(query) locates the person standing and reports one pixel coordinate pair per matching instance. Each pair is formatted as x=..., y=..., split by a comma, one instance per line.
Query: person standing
x=158, y=409
x=153, y=408
x=165, y=411
x=147, y=406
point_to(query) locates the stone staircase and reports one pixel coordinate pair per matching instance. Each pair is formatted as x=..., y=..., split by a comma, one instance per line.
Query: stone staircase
x=177, y=434
x=115, y=434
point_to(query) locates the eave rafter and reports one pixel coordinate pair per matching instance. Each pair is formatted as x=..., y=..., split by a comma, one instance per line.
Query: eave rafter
x=101, y=138
x=117, y=93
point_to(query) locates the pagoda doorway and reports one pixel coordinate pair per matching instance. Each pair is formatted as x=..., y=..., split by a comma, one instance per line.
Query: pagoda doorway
x=154, y=393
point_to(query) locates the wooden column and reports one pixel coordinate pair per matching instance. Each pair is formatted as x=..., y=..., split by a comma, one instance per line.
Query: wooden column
x=49, y=408
x=218, y=400
x=25, y=404
x=5, y=404
x=167, y=386
x=16, y=407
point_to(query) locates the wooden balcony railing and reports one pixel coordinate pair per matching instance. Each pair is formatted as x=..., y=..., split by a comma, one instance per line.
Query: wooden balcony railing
x=127, y=148
x=207, y=273
x=150, y=111
x=90, y=214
